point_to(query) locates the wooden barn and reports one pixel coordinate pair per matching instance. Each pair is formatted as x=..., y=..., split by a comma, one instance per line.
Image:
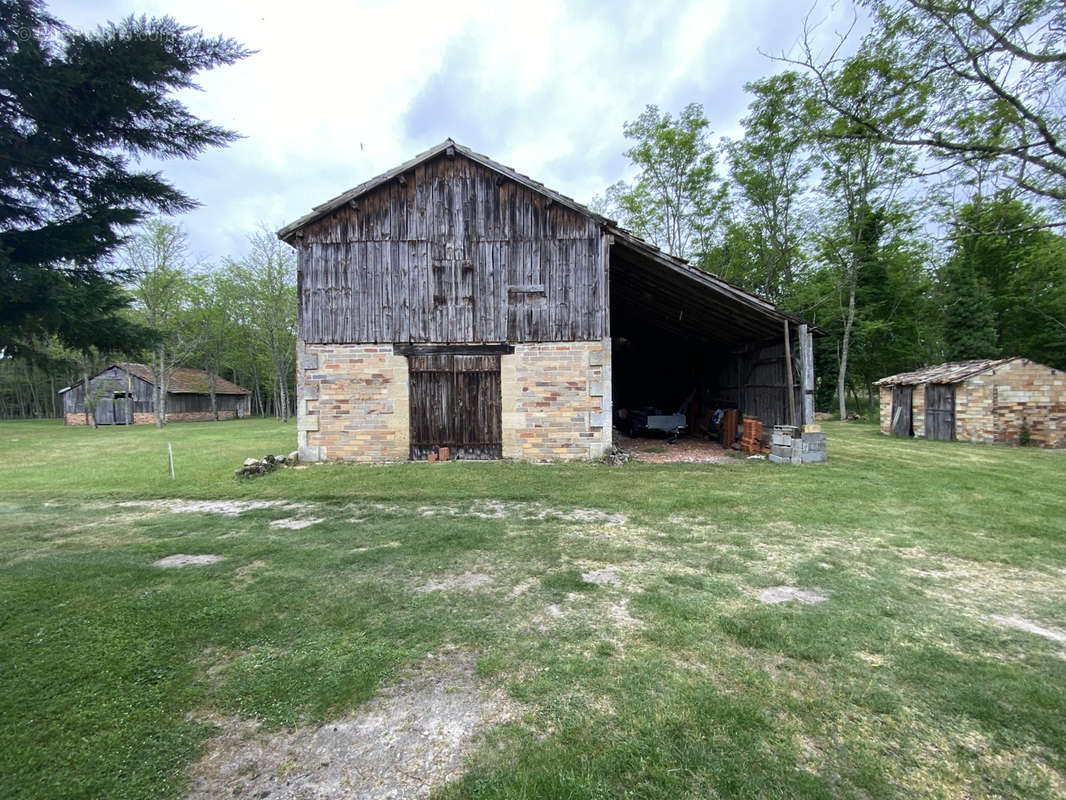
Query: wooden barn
x=453, y=302
x=124, y=394
x=1006, y=400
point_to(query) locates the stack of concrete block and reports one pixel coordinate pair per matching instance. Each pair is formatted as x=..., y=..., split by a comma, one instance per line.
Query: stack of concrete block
x=790, y=446
x=784, y=446
x=812, y=445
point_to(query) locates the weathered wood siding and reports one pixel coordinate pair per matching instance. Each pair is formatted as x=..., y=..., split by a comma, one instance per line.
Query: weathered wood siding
x=104, y=386
x=452, y=252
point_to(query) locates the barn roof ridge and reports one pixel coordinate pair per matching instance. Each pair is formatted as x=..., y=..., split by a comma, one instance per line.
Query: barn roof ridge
x=319, y=211
x=948, y=372
x=629, y=239
x=183, y=380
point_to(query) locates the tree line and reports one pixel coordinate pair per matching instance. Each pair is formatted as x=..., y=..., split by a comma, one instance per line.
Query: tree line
x=903, y=189
x=235, y=320
x=906, y=197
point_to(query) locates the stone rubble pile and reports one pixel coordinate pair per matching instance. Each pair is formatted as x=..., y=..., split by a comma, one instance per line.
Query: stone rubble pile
x=261, y=466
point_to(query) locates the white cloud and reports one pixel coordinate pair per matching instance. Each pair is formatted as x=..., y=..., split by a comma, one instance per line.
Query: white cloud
x=339, y=92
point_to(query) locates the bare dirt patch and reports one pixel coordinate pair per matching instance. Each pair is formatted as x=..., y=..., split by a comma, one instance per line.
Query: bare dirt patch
x=185, y=560
x=687, y=450
x=608, y=576
x=468, y=581
x=785, y=594
x=1031, y=627
x=228, y=508
x=295, y=524
x=405, y=743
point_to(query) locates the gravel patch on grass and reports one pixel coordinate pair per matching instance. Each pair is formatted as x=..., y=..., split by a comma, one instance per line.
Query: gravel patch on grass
x=1031, y=627
x=295, y=524
x=228, y=508
x=468, y=581
x=185, y=560
x=407, y=742
x=785, y=594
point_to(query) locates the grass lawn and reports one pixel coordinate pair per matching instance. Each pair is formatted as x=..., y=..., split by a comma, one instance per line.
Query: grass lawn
x=616, y=610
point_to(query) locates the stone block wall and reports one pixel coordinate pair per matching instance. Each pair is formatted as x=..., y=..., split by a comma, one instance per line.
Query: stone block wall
x=885, y=397
x=557, y=400
x=994, y=406
x=148, y=418
x=353, y=402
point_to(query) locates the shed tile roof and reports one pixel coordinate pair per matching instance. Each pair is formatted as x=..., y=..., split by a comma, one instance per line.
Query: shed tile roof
x=184, y=380
x=951, y=372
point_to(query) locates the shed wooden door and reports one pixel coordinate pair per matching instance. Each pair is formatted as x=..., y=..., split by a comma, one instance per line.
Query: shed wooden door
x=105, y=411
x=902, y=403
x=940, y=412
x=456, y=403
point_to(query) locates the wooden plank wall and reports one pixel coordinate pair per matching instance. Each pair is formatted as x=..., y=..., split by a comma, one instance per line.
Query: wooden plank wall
x=109, y=381
x=453, y=253
x=761, y=374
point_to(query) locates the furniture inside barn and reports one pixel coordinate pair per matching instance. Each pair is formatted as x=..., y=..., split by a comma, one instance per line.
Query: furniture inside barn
x=686, y=342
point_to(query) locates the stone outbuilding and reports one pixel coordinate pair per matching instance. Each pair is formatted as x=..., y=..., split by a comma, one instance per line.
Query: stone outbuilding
x=124, y=394
x=454, y=303
x=1006, y=400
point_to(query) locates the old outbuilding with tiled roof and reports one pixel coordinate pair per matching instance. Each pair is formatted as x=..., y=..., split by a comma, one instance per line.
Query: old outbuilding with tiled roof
x=1006, y=400
x=124, y=394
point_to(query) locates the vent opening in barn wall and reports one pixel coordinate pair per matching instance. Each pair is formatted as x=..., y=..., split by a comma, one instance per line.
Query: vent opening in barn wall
x=455, y=303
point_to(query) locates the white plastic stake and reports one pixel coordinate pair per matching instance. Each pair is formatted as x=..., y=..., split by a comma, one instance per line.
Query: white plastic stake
x=170, y=453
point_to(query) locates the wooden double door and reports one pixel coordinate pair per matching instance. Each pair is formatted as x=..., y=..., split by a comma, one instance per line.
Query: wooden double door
x=456, y=402
x=940, y=411
x=113, y=409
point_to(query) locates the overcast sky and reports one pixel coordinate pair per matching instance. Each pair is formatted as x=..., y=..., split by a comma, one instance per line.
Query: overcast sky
x=339, y=92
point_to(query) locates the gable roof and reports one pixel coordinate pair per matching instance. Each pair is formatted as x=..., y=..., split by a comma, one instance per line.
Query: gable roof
x=443, y=148
x=951, y=372
x=695, y=278
x=182, y=379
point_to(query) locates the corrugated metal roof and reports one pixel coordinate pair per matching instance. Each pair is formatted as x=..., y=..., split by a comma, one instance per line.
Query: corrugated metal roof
x=951, y=372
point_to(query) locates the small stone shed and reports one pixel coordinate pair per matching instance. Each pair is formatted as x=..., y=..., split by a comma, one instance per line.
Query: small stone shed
x=977, y=401
x=454, y=302
x=125, y=395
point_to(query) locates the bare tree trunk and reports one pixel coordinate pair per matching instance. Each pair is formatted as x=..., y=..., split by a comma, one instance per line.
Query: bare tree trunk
x=842, y=377
x=160, y=390
x=212, y=386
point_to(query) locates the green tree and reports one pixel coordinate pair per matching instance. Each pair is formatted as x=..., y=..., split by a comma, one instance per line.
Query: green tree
x=157, y=258
x=983, y=82
x=265, y=282
x=1004, y=283
x=769, y=169
x=677, y=200
x=78, y=111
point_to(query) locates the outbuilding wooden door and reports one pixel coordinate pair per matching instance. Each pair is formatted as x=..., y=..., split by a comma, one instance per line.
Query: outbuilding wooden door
x=456, y=403
x=902, y=403
x=940, y=412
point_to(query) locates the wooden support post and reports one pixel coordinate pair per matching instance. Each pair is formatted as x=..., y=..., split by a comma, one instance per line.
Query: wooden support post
x=789, y=379
x=807, y=373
